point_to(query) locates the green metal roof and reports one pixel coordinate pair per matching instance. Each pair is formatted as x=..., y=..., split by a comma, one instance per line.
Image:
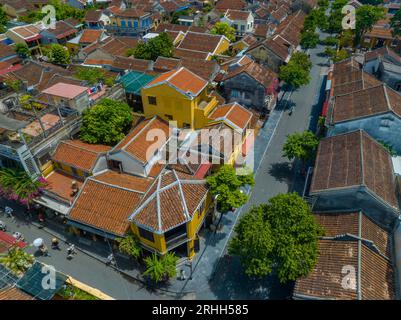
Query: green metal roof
x=134, y=81
x=35, y=282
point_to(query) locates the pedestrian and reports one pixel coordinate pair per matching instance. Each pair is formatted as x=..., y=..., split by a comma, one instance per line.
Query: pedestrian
x=182, y=274
x=55, y=244
x=44, y=250
x=41, y=218
x=111, y=260
x=70, y=251
x=9, y=212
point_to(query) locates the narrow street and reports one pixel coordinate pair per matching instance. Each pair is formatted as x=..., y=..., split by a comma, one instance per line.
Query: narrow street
x=274, y=175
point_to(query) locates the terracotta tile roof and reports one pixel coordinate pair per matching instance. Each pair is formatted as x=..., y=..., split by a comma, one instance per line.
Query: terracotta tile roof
x=125, y=63
x=170, y=202
x=118, y=46
x=163, y=64
x=106, y=206
x=60, y=184
x=182, y=79
x=368, y=102
x=90, y=35
x=131, y=182
x=249, y=40
x=136, y=143
x=262, y=13
x=6, y=50
x=346, y=81
x=256, y=71
x=203, y=42
x=131, y=13
x=169, y=6
x=206, y=69
x=354, y=159
x=13, y=293
x=261, y=30
x=232, y=113
x=383, y=52
x=79, y=154
x=237, y=14
x=223, y=5
x=339, y=248
x=93, y=15
x=191, y=54
x=62, y=30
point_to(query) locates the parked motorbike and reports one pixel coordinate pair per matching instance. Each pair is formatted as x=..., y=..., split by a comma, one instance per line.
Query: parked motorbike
x=3, y=226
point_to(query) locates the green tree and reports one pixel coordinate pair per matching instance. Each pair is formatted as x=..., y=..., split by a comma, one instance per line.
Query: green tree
x=335, y=21
x=59, y=54
x=335, y=55
x=22, y=50
x=226, y=184
x=278, y=237
x=347, y=38
x=330, y=41
x=296, y=72
x=17, y=260
x=338, y=4
x=254, y=243
x=14, y=84
x=316, y=18
x=224, y=29
x=106, y=123
x=3, y=20
x=91, y=74
x=309, y=39
x=16, y=184
x=130, y=246
x=300, y=145
x=366, y=17
x=162, y=45
x=161, y=268
x=395, y=23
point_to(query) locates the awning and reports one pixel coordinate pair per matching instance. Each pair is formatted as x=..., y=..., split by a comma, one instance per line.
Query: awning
x=53, y=204
x=202, y=170
x=325, y=108
x=33, y=38
x=91, y=230
x=34, y=278
x=10, y=240
x=10, y=69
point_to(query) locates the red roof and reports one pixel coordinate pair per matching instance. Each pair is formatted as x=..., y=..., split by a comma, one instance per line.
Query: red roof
x=203, y=169
x=9, y=240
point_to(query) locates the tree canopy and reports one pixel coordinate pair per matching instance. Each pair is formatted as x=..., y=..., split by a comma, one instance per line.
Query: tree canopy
x=366, y=17
x=309, y=39
x=162, y=45
x=226, y=184
x=3, y=20
x=22, y=50
x=395, y=23
x=296, y=71
x=224, y=29
x=161, y=268
x=106, y=123
x=130, y=246
x=278, y=237
x=58, y=54
x=93, y=75
x=300, y=145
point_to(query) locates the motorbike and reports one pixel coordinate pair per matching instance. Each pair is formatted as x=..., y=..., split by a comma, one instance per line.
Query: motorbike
x=3, y=226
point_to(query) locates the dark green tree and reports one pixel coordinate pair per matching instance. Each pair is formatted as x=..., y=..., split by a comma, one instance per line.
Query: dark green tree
x=309, y=39
x=395, y=23
x=92, y=75
x=59, y=54
x=279, y=237
x=366, y=17
x=130, y=246
x=300, y=145
x=296, y=72
x=3, y=20
x=162, y=45
x=22, y=50
x=224, y=29
x=162, y=268
x=226, y=184
x=106, y=123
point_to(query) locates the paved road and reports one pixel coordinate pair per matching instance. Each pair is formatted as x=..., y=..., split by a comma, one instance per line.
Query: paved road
x=275, y=175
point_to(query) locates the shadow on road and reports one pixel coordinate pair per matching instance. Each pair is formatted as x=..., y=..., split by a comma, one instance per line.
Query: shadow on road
x=282, y=172
x=231, y=282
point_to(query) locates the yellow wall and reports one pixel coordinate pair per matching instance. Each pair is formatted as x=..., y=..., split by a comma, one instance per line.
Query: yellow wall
x=159, y=244
x=183, y=110
x=223, y=47
x=67, y=169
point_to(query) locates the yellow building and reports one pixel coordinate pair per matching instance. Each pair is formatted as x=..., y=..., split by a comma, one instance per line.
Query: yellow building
x=172, y=214
x=181, y=96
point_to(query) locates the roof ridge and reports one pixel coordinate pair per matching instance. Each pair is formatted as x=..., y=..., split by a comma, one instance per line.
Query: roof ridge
x=387, y=98
x=186, y=213
x=113, y=185
x=159, y=219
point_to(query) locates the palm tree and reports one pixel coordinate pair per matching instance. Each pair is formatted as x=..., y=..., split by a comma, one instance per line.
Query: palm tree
x=17, y=260
x=130, y=246
x=161, y=269
x=18, y=185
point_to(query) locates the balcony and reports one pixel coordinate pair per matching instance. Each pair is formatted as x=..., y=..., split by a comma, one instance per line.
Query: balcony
x=208, y=103
x=176, y=240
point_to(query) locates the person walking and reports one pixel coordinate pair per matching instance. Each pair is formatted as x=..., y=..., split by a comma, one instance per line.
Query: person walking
x=9, y=212
x=111, y=260
x=55, y=244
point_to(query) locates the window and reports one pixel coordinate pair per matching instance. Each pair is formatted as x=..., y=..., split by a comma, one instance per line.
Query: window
x=186, y=125
x=152, y=100
x=234, y=93
x=169, y=116
x=115, y=165
x=242, y=28
x=146, y=234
